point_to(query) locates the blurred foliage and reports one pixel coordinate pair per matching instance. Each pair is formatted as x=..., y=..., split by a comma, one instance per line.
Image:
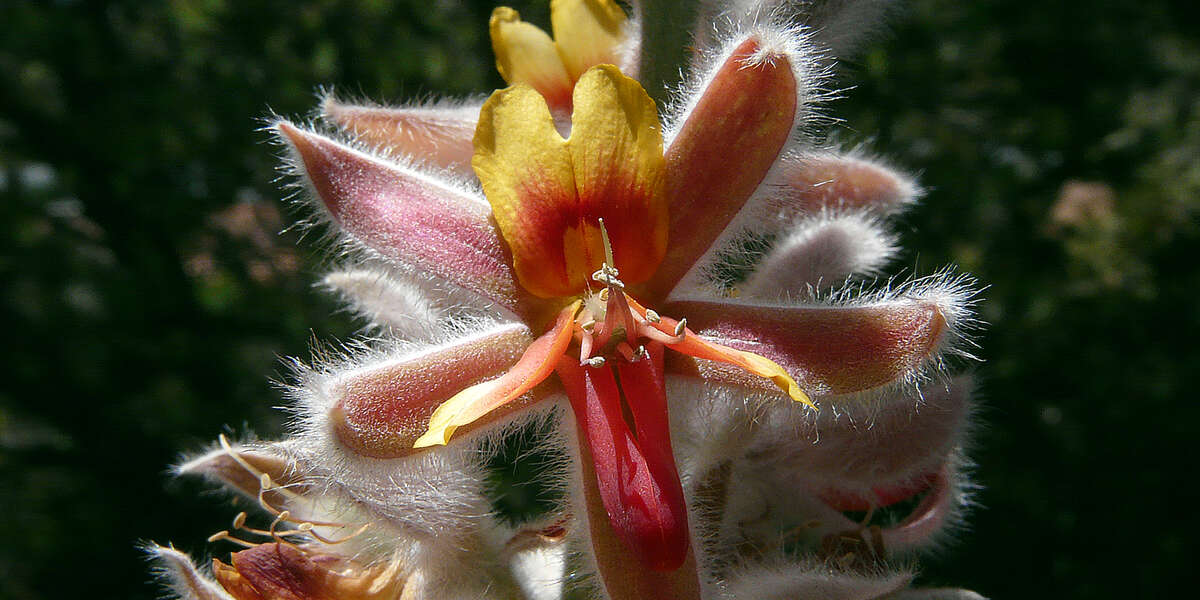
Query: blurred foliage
x=150, y=298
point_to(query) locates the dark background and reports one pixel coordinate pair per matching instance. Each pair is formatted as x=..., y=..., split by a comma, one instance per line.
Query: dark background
x=147, y=297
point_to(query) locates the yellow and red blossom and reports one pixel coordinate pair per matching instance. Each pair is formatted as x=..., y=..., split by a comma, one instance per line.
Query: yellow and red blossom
x=534, y=254
x=587, y=222
x=555, y=202
x=582, y=227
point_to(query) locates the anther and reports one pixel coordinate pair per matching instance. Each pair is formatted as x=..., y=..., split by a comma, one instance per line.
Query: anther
x=589, y=326
x=640, y=353
x=595, y=361
x=652, y=316
x=680, y=326
x=239, y=521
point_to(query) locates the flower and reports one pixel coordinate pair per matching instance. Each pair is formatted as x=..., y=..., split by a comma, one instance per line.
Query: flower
x=550, y=198
x=687, y=474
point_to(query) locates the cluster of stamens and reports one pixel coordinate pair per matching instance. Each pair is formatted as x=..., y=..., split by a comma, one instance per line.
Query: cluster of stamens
x=274, y=532
x=608, y=326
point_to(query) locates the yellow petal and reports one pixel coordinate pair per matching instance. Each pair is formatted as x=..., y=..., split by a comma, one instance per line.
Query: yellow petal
x=587, y=33
x=617, y=155
x=478, y=400
x=525, y=168
x=525, y=54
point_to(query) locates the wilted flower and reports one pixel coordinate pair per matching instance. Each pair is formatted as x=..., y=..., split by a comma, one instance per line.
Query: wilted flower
x=553, y=275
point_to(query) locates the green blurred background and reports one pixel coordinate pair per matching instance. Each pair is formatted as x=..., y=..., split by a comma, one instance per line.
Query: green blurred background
x=149, y=297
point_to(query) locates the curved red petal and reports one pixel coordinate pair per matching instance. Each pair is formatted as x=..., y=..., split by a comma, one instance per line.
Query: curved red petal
x=827, y=349
x=634, y=466
x=722, y=152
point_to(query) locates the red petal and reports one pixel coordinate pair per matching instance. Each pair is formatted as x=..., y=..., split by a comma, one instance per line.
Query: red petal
x=832, y=350
x=722, y=152
x=410, y=217
x=636, y=473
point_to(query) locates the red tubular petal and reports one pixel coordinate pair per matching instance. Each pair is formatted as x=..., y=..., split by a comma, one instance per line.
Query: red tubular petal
x=410, y=217
x=831, y=350
x=722, y=152
x=380, y=411
x=636, y=474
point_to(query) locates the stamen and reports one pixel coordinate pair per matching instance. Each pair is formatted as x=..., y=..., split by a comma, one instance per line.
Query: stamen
x=264, y=486
x=652, y=316
x=224, y=536
x=659, y=336
x=640, y=353
x=585, y=347
x=680, y=326
x=608, y=253
x=239, y=521
x=595, y=361
x=333, y=542
x=228, y=448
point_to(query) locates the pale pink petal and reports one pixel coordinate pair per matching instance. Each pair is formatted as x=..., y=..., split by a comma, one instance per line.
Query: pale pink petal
x=408, y=216
x=810, y=183
x=820, y=252
x=178, y=573
x=435, y=134
x=381, y=410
